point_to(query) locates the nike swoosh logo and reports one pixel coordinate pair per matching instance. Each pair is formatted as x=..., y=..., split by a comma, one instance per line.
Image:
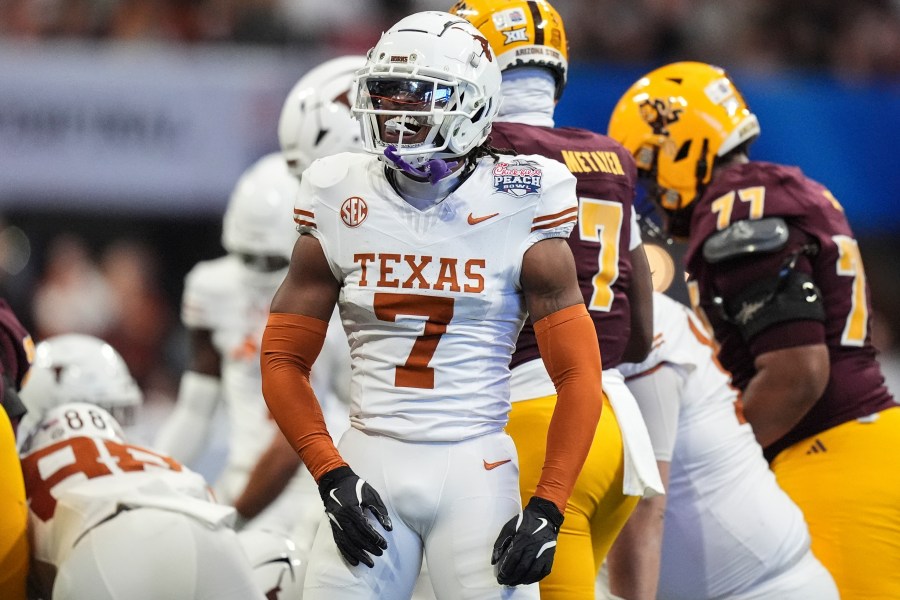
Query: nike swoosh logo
x=476, y=220
x=546, y=546
x=493, y=465
x=541, y=526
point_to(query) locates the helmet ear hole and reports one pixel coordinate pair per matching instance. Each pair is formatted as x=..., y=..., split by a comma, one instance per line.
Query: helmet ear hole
x=702, y=165
x=683, y=151
x=479, y=114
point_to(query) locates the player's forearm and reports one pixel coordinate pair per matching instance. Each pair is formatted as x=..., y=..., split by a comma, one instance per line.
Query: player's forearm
x=184, y=433
x=785, y=387
x=271, y=475
x=569, y=348
x=290, y=346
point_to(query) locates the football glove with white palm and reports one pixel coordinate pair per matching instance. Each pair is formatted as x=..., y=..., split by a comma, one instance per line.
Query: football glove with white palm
x=524, y=551
x=346, y=497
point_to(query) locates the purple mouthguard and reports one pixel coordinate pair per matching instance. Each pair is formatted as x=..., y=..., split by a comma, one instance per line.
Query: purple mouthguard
x=435, y=170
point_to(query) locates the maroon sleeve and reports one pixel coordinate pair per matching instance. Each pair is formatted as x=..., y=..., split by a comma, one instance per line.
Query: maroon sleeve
x=15, y=359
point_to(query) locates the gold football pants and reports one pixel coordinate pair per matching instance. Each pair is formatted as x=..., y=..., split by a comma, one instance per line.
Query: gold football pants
x=597, y=510
x=846, y=481
x=13, y=517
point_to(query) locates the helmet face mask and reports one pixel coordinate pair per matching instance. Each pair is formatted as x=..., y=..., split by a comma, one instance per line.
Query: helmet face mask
x=522, y=33
x=263, y=263
x=406, y=113
x=677, y=121
x=430, y=89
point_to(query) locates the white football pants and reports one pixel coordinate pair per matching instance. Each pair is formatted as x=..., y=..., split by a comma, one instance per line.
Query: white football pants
x=446, y=499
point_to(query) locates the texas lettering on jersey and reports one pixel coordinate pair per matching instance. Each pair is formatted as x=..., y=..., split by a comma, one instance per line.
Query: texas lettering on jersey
x=407, y=271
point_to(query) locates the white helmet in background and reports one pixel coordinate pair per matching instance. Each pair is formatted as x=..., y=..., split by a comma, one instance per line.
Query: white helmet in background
x=315, y=119
x=277, y=570
x=69, y=420
x=75, y=367
x=259, y=221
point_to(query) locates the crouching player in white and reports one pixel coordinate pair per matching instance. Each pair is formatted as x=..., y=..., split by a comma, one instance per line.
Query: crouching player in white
x=75, y=367
x=111, y=521
x=433, y=251
x=729, y=531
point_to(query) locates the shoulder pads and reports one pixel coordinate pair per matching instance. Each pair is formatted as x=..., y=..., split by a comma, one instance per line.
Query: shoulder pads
x=746, y=237
x=326, y=172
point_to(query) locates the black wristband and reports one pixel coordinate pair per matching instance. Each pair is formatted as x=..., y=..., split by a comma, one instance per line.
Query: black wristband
x=548, y=509
x=329, y=480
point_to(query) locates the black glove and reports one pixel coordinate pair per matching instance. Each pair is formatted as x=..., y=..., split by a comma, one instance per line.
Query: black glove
x=346, y=496
x=524, y=551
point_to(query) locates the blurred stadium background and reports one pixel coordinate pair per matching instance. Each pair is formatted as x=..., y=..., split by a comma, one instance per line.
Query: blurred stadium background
x=125, y=123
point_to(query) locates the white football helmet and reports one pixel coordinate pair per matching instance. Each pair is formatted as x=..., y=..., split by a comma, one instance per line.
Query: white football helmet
x=69, y=420
x=259, y=221
x=430, y=88
x=315, y=119
x=74, y=367
x=277, y=570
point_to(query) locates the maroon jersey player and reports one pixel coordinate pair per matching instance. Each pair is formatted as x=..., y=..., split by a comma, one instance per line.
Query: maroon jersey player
x=819, y=251
x=775, y=269
x=602, y=243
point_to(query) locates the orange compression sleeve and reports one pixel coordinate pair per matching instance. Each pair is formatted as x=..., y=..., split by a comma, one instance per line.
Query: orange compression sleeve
x=290, y=346
x=568, y=344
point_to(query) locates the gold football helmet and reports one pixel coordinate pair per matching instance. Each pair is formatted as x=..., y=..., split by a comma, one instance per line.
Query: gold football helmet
x=521, y=33
x=676, y=121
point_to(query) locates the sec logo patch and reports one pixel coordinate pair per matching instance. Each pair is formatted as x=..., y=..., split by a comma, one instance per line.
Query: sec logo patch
x=354, y=211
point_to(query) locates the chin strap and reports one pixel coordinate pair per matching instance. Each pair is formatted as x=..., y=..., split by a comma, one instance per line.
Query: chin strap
x=435, y=170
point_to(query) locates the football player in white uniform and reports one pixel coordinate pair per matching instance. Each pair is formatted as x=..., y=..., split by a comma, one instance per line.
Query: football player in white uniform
x=433, y=250
x=729, y=531
x=112, y=521
x=225, y=306
x=75, y=367
x=315, y=122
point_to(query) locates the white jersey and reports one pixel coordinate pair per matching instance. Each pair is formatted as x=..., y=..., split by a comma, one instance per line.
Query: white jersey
x=79, y=483
x=224, y=297
x=430, y=299
x=728, y=525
